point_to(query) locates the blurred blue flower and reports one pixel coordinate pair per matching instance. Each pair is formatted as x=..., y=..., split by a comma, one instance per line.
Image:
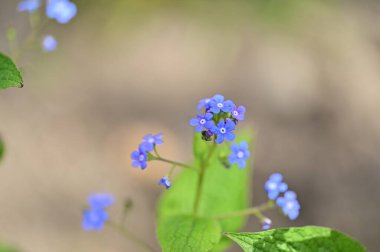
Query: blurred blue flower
x=289, y=204
x=94, y=219
x=139, y=158
x=239, y=154
x=165, y=181
x=274, y=186
x=150, y=141
x=61, y=10
x=49, y=43
x=202, y=121
x=29, y=5
x=100, y=200
x=204, y=103
x=224, y=131
x=218, y=104
x=266, y=223
x=238, y=113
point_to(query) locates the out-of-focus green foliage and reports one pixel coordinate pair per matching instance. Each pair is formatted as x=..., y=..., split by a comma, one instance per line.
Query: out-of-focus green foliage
x=2, y=149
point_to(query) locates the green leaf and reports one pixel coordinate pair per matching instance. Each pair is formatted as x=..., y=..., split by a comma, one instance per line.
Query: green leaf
x=188, y=234
x=2, y=149
x=224, y=190
x=309, y=238
x=10, y=76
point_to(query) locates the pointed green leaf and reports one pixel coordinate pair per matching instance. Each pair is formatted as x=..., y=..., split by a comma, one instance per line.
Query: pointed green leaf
x=224, y=190
x=188, y=234
x=309, y=238
x=10, y=76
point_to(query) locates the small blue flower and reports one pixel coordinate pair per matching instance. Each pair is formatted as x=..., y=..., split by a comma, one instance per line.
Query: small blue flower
x=202, y=121
x=100, y=200
x=61, y=10
x=239, y=154
x=139, y=158
x=289, y=204
x=224, y=131
x=150, y=141
x=238, y=113
x=218, y=104
x=274, y=186
x=165, y=181
x=204, y=103
x=94, y=219
x=266, y=223
x=49, y=43
x=29, y=5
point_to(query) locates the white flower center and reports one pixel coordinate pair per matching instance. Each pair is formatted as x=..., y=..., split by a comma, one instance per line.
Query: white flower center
x=272, y=186
x=202, y=121
x=141, y=157
x=289, y=205
x=235, y=113
x=151, y=140
x=240, y=154
x=220, y=105
x=222, y=130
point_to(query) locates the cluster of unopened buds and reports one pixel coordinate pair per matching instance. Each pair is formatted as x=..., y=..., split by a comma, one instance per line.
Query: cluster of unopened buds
x=61, y=11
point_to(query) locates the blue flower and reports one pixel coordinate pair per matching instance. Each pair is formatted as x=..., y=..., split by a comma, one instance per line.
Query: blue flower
x=289, y=204
x=29, y=5
x=239, y=154
x=150, y=141
x=139, y=158
x=61, y=10
x=165, y=181
x=49, y=43
x=218, y=104
x=100, y=200
x=274, y=186
x=94, y=219
x=202, y=121
x=224, y=131
x=204, y=103
x=266, y=223
x=238, y=113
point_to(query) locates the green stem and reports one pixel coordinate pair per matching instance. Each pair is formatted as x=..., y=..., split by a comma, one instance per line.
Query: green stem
x=257, y=211
x=131, y=237
x=174, y=163
x=201, y=176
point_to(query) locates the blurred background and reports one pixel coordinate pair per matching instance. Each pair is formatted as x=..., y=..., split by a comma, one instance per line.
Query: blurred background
x=307, y=71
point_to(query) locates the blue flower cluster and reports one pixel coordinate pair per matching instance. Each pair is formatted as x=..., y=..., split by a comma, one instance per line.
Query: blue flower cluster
x=219, y=119
x=95, y=216
x=61, y=11
x=288, y=202
x=140, y=157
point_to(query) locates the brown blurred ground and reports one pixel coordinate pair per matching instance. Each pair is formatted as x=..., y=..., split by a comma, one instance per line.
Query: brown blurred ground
x=308, y=75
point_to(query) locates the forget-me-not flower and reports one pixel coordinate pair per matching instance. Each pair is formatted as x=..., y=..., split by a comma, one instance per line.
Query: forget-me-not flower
x=165, y=181
x=204, y=103
x=61, y=10
x=28, y=5
x=239, y=154
x=238, y=113
x=150, y=141
x=139, y=158
x=202, y=121
x=224, y=131
x=94, y=219
x=49, y=43
x=274, y=186
x=289, y=204
x=266, y=223
x=218, y=104
x=100, y=200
